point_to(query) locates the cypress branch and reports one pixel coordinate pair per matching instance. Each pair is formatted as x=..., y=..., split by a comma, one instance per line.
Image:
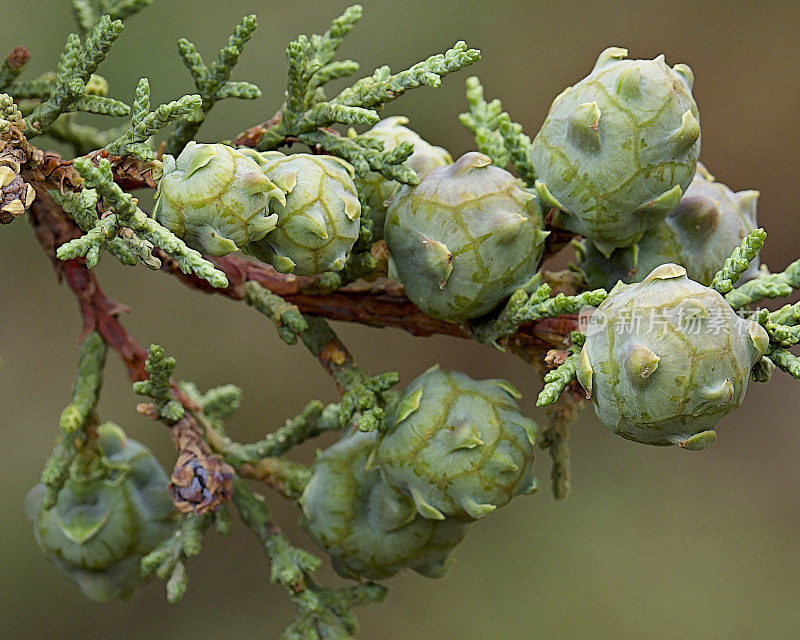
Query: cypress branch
x=739, y=261
x=128, y=214
x=786, y=361
x=75, y=67
x=145, y=123
x=75, y=415
x=12, y=66
x=769, y=285
x=213, y=83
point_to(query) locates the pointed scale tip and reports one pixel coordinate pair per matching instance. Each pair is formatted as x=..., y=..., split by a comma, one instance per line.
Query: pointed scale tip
x=748, y=201
x=548, y=198
x=583, y=126
x=720, y=395
x=464, y=435
x=605, y=248
x=437, y=261
x=702, y=173
x=759, y=338
x=585, y=373
x=475, y=509
x=467, y=163
x=609, y=56
x=640, y=363
x=664, y=203
x=687, y=134
x=698, y=441
x=501, y=462
x=667, y=271
x=425, y=509
x=686, y=73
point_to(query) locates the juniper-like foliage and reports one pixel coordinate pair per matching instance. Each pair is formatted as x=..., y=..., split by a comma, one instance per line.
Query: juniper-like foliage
x=125, y=214
x=495, y=133
x=146, y=123
x=75, y=418
x=767, y=285
x=559, y=378
x=739, y=262
x=213, y=83
x=68, y=89
x=308, y=114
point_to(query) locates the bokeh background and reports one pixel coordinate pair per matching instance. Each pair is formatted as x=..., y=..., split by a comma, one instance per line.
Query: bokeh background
x=653, y=543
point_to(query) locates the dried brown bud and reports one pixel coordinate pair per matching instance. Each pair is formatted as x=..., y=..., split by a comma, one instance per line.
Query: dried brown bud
x=555, y=358
x=18, y=58
x=200, y=484
x=15, y=195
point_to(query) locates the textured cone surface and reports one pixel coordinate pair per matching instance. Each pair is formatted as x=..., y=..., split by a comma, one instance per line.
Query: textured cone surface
x=319, y=224
x=459, y=447
x=377, y=189
x=105, y=521
x=367, y=528
x=490, y=225
x=618, y=148
x=700, y=233
x=215, y=198
x=667, y=358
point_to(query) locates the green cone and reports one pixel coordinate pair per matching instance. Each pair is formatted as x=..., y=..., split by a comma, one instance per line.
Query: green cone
x=666, y=359
x=458, y=447
x=215, y=198
x=699, y=234
x=464, y=238
x=369, y=529
x=618, y=149
x=377, y=189
x=111, y=512
x=319, y=222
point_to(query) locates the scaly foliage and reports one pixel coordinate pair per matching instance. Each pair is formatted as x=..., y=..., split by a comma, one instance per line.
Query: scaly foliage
x=70, y=90
x=125, y=214
x=213, y=83
x=145, y=123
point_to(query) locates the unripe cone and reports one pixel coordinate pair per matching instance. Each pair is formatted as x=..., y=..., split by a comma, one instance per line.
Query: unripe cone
x=215, y=198
x=464, y=238
x=369, y=529
x=618, y=149
x=667, y=358
x=377, y=189
x=699, y=234
x=459, y=447
x=320, y=220
x=106, y=518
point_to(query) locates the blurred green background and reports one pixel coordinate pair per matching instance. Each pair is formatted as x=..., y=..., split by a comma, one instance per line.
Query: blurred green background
x=653, y=543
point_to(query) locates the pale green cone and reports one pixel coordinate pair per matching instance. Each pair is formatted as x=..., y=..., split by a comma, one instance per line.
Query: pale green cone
x=699, y=234
x=215, y=198
x=367, y=528
x=320, y=220
x=618, y=149
x=666, y=359
x=377, y=189
x=108, y=515
x=464, y=238
x=458, y=447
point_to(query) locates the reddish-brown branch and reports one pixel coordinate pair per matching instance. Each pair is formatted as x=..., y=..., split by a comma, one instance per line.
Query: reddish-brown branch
x=99, y=313
x=251, y=136
x=373, y=305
